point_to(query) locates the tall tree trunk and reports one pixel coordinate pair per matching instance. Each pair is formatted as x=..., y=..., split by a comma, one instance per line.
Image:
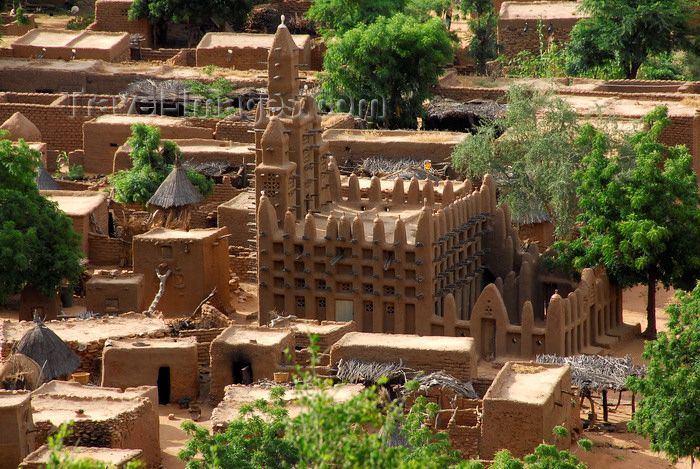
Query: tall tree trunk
x=650, y=332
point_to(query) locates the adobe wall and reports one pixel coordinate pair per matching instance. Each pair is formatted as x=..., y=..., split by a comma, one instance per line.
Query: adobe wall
x=204, y=338
x=391, y=144
x=235, y=131
x=250, y=57
x=242, y=262
x=102, y=137
x=104, y=251
x=112, y=15
x=518, y=395
x=137, y=428
x=10, y=27
x=59, y=121
x=198, y=261
x=115, y=294
x=515, y=40
x=126, y=364
x=16, y=425
x=262, y=348
x=458, y=362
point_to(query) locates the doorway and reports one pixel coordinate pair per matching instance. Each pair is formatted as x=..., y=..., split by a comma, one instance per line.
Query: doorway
x=164, y=385
x=242, y=372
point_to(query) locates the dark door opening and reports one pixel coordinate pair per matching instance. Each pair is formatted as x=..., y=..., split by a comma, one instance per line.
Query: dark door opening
x=164, y=385
x=242, y=373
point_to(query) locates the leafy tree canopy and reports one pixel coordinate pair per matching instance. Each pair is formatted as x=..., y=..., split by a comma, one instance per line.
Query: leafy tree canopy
x=37, y=241
x=164, y=12
x=626, y=32
x=533, y=159
x=152, y=162
x=394, y=59
x=339, y=16
x=668, y=413
x=640, y=218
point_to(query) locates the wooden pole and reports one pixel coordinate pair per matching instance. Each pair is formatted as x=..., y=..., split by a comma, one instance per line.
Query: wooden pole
x=605, y=405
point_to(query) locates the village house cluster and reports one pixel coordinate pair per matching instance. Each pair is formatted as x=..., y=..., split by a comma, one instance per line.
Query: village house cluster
x=427, y=271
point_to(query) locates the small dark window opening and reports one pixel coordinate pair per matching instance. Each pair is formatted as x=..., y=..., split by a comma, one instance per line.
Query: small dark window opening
x=164, y=385
x=242, y=372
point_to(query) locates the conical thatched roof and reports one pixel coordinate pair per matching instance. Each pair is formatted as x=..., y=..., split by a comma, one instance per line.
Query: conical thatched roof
x=176, y=191
x=21, y=127
x=45, y=181
x=42, y=345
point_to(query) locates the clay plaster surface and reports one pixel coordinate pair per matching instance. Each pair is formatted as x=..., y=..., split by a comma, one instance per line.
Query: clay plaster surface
x=12, y=398
x=108, y=456
x=407, y=341
x=88, y=330
x=244, y=40
x=255, y=335
x=238, y=395
x=527, y=387
x=536, y=10
x=76, y=203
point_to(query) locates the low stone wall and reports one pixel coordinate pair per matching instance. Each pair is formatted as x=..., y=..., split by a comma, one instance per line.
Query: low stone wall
x=204, y=339
x=241, y=261
x=234, y=131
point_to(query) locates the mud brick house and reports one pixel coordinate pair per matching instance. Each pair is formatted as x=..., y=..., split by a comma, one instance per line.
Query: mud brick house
x=536, y=396
x=243, y=51
x=170, y=364
x=110, y=418
x=242, y=355
x=197, y=260
x=69, y=45
x=112, y=15
x=519, y=24
x=16, y=428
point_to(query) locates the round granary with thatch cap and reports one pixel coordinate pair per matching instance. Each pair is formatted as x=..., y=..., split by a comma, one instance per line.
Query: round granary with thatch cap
x=176, y=191
x=21, y=127
x=42, y=345
x=20, y=372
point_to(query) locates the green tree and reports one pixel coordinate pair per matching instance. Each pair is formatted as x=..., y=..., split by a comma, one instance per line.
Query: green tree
x=217, y=101
x=253, y=440
x=152, y=161
x=626, y=32
x=533, y=159
x=37, y=241
x=483, y=46
x=160, y=13
x=639, y=219
x=668, y=413
x=336, y=17
x=395, y=59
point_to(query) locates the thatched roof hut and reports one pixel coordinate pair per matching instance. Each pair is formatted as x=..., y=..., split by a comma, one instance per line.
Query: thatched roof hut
x=45, y=181
x=176, y=191
x=42, y=345
x=447, y=114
